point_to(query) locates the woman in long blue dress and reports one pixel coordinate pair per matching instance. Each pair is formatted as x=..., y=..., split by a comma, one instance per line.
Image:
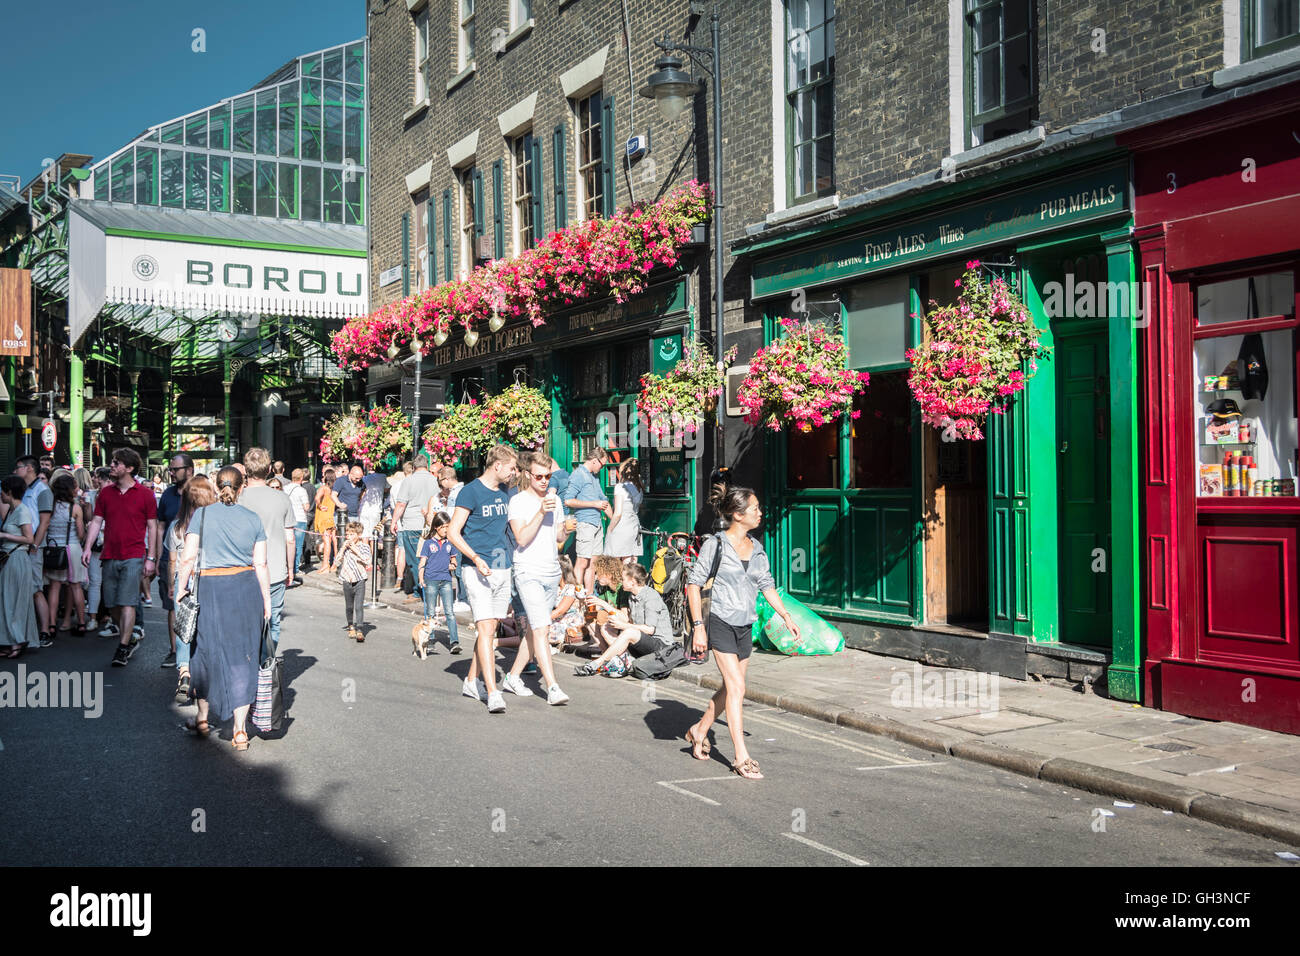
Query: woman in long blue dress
x=17, y=610
x=231, y=567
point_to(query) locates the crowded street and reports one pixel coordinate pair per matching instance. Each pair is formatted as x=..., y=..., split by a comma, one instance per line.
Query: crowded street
x=406, y=771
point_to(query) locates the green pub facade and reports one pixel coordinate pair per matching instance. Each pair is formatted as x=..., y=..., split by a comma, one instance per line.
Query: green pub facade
x=1015, y=554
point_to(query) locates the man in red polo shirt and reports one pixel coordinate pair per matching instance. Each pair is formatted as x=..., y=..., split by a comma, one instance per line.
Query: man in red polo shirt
x=128, y=513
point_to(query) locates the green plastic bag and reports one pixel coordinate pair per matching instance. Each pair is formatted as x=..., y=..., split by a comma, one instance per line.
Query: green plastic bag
x=817, y=636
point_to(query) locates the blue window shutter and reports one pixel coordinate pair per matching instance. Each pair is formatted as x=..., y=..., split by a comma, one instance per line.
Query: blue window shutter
x=476, y=184
x=447, y=265
x=406, y=254
x=607, y=154
x=498, y=214
x=430, y=232
x=539, y=227
x=560, y=178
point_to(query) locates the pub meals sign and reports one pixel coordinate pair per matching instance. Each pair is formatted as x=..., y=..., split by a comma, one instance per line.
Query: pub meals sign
x=233, y=278
x=992, y=221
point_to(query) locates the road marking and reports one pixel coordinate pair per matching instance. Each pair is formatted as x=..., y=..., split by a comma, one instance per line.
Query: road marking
x=826, y=849
x=793, y=728
x=897, y=766
x=676, y=789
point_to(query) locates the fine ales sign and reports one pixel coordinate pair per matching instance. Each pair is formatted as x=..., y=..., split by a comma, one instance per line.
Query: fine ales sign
x=15, y=312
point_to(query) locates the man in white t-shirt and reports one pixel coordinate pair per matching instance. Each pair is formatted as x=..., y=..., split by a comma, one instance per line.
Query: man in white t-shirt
x=538, y=535
x=302, y=508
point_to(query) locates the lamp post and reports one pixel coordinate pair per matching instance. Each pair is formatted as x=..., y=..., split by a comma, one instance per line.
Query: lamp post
x=672, y=89
x=417, y=352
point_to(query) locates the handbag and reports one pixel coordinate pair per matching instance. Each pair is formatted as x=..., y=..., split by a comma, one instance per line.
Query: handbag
x=268, y=708
x=187, y=608
x=55, y=557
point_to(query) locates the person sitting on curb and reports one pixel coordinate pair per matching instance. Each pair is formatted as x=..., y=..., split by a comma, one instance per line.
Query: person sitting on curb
x=641, y=630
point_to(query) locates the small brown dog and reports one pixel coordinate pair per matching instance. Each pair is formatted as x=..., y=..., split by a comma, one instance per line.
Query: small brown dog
x=419, y=635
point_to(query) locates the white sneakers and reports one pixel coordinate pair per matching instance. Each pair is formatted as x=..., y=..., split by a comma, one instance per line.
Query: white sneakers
x=555, y=696
x=514, y=683
x=475, y=689
x=496, y=703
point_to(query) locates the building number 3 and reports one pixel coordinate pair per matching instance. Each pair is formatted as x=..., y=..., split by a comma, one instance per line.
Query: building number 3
x=1173, y=184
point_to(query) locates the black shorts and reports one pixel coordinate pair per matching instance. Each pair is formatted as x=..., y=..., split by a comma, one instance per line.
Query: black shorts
x=646, y=645
x=730, y=638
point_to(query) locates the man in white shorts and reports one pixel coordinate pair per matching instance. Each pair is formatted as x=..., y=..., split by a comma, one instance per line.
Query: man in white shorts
x=539, y=532
x=584, y=498
x=478, y=530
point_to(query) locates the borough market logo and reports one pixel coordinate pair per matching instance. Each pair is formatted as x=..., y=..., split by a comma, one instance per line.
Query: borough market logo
x=145, y=268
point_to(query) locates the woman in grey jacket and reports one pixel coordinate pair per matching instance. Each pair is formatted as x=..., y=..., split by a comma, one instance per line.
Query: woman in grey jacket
x=743, y=571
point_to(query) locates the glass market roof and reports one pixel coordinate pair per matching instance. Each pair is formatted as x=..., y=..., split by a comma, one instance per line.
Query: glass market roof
x=292, y=148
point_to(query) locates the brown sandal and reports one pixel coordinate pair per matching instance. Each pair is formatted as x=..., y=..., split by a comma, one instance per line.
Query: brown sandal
x=747, y=768
x=199, y=728
x=240, y=740
x=703, y=745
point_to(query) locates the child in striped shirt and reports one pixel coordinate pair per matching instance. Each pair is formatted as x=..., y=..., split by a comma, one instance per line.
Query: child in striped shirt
x=353, y=566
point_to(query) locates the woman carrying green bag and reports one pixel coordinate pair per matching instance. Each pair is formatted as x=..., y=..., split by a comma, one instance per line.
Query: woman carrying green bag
x=740, y=571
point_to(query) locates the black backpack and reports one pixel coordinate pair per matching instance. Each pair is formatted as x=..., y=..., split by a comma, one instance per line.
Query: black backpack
x=660, y=664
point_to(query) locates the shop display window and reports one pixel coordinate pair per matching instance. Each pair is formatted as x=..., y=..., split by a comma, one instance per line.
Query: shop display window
x=1244, y=378
x=881, y=439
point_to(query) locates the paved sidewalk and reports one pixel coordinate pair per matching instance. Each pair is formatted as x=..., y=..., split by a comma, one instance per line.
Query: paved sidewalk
x=1236, y=776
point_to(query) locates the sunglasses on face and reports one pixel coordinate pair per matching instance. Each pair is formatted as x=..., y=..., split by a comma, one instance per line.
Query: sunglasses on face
x=537, y=477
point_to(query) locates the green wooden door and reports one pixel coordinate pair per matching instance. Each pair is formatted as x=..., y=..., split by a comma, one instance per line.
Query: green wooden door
x=1083, y=456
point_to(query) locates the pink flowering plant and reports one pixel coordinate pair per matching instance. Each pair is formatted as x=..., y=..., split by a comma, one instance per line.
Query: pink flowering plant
x=458, y=430
x=801, y=380
x=678, y=401
x=588, y=260
x=342, y=432
x=972, y=362
x=520, y=416
x=385, y=429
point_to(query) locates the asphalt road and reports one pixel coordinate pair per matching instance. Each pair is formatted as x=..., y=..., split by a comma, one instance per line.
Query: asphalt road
x=382, y=761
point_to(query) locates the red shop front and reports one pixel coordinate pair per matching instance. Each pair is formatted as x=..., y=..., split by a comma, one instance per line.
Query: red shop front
x=1217, y=212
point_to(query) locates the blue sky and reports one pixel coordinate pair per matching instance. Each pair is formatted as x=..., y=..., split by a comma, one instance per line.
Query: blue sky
x=83, y=77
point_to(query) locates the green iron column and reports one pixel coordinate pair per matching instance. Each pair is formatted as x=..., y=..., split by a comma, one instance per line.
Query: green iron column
x=76, y=409
x=169, y=416
x=135, y=400
x=225, y=381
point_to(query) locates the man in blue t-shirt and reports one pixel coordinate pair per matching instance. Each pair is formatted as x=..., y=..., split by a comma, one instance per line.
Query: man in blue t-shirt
x=480, y=531
x=584, y=497
x=348, y=490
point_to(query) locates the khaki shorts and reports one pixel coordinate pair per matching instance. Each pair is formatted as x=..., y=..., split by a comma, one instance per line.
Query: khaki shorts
x=590, y=540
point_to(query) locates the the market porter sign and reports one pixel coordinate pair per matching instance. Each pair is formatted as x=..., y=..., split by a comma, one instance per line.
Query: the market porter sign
x=962, y=229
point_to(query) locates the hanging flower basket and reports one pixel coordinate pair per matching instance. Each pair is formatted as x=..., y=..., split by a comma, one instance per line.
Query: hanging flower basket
x=460, y=429
x=973, y=362
x=386, y=432
x=679, y=401
x=520, y=416
x=801, y=380
x=342, y=432
x=591, y=259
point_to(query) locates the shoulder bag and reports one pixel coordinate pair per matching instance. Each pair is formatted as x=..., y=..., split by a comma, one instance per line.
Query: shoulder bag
x=187, y=608
x=56, y=556
x=706, y=602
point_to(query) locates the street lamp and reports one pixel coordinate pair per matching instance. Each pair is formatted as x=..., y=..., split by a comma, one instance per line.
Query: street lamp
x=672, y=89
x=417, y=349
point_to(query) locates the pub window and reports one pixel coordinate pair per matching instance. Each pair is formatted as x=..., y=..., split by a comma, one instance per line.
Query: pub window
x=422, y=55
x=471, y=217
x=1243, y=373
x=1001, y=83
x=528, y=191
x=1271, y=26
x=591, y=374
x=591, y=178
x=521, y=11
x=633, y=362
x=420, y=278
x=809, y=98
x=467, y=28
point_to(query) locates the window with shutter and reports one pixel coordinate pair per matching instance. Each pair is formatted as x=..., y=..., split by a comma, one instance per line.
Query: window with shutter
x=559, y=165
x=498, y=212
x=448, y=267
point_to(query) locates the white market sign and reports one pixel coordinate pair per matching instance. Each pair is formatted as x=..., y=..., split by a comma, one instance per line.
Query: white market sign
x=195, y=275
x=389, y=276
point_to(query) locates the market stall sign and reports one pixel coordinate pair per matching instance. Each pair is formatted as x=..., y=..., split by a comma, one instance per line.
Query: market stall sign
x=1100, y=194
x=15, y=312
